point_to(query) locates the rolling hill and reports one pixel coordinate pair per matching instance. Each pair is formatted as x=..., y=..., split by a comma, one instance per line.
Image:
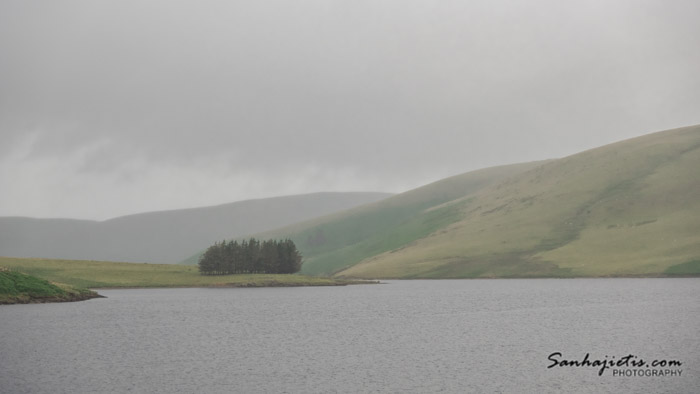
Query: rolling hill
x=337, y=241
x=628, y=208
x=166, y=236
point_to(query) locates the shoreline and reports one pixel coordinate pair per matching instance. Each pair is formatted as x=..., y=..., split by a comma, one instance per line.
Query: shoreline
x=245, y=285
x=91, y=292
x=24, y=299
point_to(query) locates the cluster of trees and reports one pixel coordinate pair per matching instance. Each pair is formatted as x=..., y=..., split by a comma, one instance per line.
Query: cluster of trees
x=250, y=257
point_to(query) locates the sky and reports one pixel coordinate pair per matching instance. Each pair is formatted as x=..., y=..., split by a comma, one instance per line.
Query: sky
x=110, y=108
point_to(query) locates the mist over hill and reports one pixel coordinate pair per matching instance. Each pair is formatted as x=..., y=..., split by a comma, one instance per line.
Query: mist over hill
x=165, y=236
x=628, y=208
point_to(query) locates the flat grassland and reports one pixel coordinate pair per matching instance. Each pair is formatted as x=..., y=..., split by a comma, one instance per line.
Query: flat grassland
x=102, y=274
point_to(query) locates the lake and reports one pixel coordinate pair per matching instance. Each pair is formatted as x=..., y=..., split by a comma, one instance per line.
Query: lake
x=422, y=336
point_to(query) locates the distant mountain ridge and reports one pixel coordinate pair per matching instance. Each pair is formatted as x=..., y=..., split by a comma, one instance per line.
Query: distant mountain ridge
x=165, y=236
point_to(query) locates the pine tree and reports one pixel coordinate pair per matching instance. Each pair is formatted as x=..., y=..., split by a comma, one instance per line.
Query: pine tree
x=269, y=257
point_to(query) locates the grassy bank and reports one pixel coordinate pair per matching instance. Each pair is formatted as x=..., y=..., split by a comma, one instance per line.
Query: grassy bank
x=19, y=288
x=102, y=274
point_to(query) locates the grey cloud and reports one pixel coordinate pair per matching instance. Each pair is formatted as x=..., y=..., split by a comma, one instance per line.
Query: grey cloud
x=399, y=91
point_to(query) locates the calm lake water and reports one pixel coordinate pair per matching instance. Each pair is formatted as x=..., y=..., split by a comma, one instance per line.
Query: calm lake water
x=449, y=336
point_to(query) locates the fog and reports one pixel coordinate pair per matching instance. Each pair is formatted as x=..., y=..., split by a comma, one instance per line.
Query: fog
x=116, y=107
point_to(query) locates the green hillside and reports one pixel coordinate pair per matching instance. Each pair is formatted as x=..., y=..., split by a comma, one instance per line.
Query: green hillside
x=334, y=242
x=19, y=288
x=629, y=208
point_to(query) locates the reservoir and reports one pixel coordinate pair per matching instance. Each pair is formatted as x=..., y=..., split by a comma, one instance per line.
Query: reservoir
x=420, y=336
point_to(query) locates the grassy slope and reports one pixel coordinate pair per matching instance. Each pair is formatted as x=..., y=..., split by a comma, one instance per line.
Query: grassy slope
x=101, y=274
x=16, y=287
x=337, y=241
x=630, y=208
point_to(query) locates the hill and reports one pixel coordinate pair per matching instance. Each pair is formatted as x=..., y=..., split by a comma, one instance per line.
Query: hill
x=166, y=236
x=337, y=241
x=628, y=208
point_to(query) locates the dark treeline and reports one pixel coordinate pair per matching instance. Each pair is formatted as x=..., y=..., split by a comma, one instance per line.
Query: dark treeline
x=251, y=257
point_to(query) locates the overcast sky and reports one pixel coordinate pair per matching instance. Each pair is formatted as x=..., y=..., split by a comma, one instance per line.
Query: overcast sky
x=116, y=107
